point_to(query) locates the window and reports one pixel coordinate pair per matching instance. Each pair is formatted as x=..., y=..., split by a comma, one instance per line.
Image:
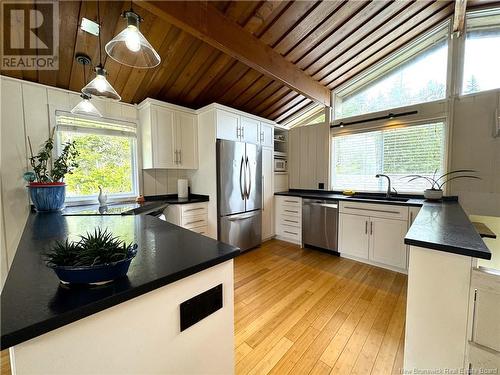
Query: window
x=107, y=157
x=482, y=52
x=395, y=151
x=415, y=74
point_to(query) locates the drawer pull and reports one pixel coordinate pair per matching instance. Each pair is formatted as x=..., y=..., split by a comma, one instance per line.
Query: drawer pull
x=289, y=201
x=295, y=212
x=194, y=222
x=194, y=209
x=295, y=234
x=372, y=209
x=291, y=221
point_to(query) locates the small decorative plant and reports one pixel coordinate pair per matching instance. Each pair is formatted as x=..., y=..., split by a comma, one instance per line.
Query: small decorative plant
x=96, y=258
x=46, y=182
x=47, y=172
x=437, y=182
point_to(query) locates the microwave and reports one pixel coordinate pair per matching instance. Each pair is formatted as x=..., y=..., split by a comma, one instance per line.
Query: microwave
x=280, y=165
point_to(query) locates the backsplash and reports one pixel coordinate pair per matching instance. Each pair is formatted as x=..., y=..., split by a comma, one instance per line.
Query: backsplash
x=163, y=181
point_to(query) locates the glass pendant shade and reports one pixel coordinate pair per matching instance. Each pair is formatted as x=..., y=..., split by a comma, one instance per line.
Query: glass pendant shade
x=100, y=86
x=85, y=107
x=130, y=47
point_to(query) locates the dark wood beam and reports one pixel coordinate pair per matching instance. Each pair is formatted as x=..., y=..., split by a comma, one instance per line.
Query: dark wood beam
x=204, y=21
x=459, y=16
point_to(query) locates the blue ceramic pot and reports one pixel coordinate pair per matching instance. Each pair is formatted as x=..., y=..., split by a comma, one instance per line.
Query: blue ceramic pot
x=48, y=197
x=96, y=275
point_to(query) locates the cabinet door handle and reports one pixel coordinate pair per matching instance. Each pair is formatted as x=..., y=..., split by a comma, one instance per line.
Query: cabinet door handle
x=371, y=227
x=411, y=217
x=180, y=156
x=473, y=329
x=176, y=157
x=237, y=132
x=242, y=132
x=366, y=227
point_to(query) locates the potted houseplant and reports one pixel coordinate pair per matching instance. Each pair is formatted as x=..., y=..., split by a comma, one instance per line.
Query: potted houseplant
x=96, y=258
x=435, y=192
x=46, y=182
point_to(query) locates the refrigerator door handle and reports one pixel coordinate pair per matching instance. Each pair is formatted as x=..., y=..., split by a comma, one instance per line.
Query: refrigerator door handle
x=241, y=175
x=247, y=163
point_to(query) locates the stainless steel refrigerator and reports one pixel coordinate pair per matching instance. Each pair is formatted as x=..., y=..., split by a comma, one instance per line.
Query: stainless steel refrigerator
x=239, y=193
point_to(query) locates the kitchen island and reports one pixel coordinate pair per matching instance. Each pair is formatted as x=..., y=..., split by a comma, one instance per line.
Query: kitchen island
x=132, y=325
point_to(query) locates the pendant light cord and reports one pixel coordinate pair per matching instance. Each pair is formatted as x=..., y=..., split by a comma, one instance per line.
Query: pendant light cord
x=99, y=23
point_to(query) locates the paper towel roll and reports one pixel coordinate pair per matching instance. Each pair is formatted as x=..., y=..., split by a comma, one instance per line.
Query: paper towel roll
x=182, y=188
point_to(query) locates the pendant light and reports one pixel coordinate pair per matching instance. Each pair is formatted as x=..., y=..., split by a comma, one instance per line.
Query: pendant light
x=130, y=47
x=100, y=86
x=85, y=106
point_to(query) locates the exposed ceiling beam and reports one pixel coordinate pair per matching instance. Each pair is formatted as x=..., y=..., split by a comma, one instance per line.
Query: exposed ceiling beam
x=204, y=21
x=459, y=16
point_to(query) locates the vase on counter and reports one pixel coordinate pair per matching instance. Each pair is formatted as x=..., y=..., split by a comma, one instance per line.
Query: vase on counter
x=102, y=198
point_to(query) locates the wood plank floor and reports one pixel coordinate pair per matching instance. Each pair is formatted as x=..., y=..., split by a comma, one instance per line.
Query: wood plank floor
x=301, y=311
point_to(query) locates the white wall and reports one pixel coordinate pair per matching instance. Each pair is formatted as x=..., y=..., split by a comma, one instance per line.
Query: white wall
x=474, y=147
x=26, y=111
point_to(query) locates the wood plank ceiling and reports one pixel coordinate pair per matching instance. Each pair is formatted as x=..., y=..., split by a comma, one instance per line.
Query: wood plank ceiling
x=330, y=41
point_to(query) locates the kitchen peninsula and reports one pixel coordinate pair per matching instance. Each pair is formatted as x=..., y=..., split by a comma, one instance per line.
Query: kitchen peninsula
x=132, y=325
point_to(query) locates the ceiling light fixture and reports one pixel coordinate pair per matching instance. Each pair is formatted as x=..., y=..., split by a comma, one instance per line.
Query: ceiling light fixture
x=130, y=47
x=100, y=86
x=85, y=106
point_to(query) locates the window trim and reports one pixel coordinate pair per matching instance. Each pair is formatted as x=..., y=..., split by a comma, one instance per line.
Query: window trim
x=132, y=134
x=393, y=124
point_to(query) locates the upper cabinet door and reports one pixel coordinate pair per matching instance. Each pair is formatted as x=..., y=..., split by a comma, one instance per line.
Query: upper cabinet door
x=228, y=126
x=186, y=141
x=250, y=130
x=266, y=135
x=163, y=124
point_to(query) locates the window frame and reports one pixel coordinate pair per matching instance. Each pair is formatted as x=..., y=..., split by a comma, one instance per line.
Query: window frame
x=395, y=60
x=460, y=60
x=112, y=197
x=386, y=125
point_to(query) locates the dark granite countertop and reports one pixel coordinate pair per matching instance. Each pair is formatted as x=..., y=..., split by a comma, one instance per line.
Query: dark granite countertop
x=442, y=226
x=152, y=203
x=33, y=301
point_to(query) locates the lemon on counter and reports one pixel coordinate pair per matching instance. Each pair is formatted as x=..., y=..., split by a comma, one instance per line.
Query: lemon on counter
x=348, y=192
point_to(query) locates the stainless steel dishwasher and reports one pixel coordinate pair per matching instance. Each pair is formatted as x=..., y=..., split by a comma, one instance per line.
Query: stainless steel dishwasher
x=320, y=224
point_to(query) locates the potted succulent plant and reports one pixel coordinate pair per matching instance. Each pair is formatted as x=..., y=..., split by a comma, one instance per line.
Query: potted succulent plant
x=46, y=182
x=436, y=183
x=97, y=258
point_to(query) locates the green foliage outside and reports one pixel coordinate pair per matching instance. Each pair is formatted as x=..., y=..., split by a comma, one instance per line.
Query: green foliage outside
x=103, y=161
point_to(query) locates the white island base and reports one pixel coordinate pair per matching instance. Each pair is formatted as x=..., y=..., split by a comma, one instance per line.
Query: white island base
x=141, y=336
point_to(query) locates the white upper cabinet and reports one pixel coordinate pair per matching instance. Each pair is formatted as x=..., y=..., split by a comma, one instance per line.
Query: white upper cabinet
x=228, y=125
x=250, y=130
x=235, y=126
x=169, y=137
x=266, y=136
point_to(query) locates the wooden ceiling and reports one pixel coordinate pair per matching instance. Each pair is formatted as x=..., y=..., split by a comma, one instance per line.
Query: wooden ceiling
x=331, y=41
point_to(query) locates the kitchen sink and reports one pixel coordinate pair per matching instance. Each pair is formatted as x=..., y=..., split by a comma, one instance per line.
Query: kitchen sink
x=378, y=198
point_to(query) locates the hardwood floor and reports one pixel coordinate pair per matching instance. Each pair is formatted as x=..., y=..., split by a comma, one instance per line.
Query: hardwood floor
x=301, y=311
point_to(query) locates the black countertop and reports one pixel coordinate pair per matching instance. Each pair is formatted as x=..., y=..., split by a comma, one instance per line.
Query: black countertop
x=33, y=301
x=442, y=226
x=152, y=203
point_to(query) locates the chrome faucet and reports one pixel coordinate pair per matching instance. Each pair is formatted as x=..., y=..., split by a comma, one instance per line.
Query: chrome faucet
x=389, y=188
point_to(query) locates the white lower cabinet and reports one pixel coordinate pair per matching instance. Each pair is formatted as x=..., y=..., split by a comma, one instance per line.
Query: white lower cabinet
x=288, y=218
x=387, y=242
x=353, y=235
x=192, y=216
x=374, y=233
